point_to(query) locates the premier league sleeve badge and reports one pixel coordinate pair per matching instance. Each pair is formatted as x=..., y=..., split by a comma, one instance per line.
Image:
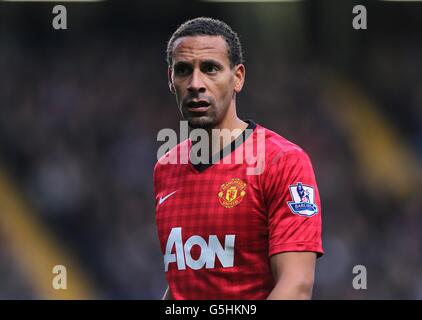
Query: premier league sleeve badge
x=303, y=200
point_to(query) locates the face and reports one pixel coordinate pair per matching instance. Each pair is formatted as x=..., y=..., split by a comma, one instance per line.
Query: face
x=203, y=81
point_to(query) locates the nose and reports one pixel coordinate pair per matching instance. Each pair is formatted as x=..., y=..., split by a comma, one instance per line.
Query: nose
x=196, y=82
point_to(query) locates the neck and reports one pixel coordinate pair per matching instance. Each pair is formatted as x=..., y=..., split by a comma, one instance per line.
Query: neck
x=228, y=130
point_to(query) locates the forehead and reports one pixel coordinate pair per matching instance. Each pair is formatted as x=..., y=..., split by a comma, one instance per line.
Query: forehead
x=200, y=47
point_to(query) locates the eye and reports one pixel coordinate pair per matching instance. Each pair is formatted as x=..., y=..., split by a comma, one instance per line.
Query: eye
x=181, y=69
x=210, y=68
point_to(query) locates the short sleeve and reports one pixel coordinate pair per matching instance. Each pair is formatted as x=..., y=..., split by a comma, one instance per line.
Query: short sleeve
x=293, y=204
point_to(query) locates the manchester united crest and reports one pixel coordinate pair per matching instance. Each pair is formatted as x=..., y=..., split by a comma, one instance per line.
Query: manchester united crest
x=232, y=192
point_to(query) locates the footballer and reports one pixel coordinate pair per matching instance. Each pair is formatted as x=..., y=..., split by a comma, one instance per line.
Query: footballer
x=226, y=233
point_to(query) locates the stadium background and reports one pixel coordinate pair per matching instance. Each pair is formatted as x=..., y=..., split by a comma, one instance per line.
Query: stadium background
x=80, y=110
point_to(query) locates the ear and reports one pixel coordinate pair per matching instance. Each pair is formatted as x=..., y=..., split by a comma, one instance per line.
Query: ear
x=170, y=81
x=239, y=74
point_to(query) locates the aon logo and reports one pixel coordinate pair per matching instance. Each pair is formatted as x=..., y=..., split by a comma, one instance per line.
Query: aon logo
x=209, y=251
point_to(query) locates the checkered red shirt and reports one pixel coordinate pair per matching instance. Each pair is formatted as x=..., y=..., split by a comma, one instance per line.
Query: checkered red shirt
x=218, y=225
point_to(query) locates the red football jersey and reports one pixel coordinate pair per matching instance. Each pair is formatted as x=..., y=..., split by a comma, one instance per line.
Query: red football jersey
x=218, y=224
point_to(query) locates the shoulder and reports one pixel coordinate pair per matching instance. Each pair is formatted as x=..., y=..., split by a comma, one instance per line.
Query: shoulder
x=279, y=150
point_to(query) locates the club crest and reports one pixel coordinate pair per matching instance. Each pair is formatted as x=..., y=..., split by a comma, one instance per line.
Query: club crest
x=232, y=193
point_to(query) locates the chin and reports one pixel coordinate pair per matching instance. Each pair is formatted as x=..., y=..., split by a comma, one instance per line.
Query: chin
x=202, y=122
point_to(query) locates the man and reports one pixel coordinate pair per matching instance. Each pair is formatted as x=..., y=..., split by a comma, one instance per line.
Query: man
x=224, y=233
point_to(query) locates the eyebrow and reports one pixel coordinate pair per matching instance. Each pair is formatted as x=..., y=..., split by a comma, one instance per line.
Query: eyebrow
x=207, y=61
x=212, y=61
x=182, y=63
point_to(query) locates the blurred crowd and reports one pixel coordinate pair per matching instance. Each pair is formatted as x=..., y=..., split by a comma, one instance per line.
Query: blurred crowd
x=78, y=127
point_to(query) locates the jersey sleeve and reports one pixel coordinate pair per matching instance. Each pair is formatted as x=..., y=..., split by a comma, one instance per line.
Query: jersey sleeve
x=293, y=204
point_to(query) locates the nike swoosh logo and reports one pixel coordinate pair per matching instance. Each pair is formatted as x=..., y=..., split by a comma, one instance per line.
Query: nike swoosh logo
x=162, y=199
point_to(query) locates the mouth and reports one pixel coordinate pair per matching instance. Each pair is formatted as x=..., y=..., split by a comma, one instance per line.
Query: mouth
x=198, y=106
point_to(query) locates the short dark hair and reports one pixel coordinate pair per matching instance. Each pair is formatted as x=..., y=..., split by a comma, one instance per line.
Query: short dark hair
x=204, y=26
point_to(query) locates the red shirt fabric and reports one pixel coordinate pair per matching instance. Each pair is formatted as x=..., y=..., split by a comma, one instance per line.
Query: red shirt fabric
x=218, y=225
